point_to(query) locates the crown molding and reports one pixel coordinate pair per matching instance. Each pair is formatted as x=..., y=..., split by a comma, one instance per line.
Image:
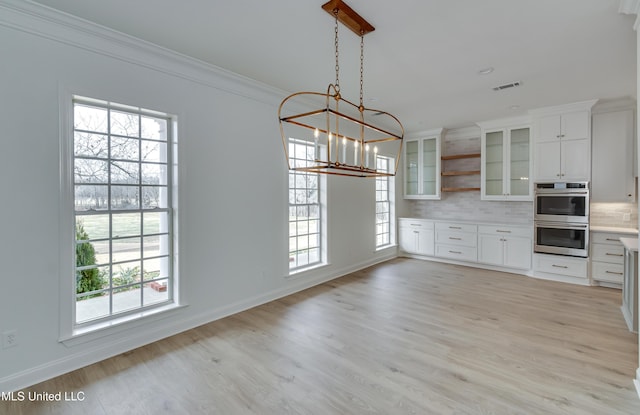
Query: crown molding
x=427, y=133
x=558, y=109
x=505, y=122
x=52, y=24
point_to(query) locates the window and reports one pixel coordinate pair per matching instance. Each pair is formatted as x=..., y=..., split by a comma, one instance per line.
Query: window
x=122, y=178
x=305, y=210
x=384, y=203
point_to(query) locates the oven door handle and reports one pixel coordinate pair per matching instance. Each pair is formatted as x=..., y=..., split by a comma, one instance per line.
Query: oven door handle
x=561, y=225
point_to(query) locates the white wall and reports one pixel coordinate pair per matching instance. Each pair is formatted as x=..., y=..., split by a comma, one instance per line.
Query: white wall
x=233, y=204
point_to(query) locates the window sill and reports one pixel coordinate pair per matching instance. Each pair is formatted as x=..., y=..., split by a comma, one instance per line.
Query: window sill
x=383, y=248
x=297, y=272
x=96, y=331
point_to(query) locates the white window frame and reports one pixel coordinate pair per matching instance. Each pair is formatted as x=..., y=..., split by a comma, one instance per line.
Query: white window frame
x=320, y=206
x=70, y=330
x=385, y=203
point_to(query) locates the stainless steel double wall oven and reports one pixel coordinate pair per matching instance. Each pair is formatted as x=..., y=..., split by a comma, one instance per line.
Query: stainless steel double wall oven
x=561, y=218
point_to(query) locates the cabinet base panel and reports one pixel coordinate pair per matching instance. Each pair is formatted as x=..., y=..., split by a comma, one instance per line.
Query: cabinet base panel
x=560, y=278
x=608, y=284
x=525, y=272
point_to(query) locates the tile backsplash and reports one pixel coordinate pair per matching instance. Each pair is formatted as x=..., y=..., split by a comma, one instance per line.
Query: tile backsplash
x=613, y=214
x=468, y=206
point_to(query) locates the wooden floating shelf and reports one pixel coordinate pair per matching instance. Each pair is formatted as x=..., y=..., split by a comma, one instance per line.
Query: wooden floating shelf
x=461, y=156
x=460, y=172
x=460, y=189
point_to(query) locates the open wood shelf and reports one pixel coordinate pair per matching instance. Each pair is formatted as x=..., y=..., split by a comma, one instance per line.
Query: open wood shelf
x=453, y=173
x=461, y=156
x=460, y=189
x=460, y=172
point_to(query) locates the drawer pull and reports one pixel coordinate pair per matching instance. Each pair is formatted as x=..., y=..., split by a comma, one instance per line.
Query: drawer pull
x=501, y=231
x=455, y=252
x=615, y=273
x=559, y=266
x=416, y=232
x=455, y=227
x=455, y=239
x=610, y=254
x=613, y=240
x=416, y=224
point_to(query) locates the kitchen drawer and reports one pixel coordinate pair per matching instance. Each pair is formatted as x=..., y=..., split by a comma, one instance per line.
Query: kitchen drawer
x=462, y=253
x=415, y=223
x=555, y=264
x=607, y=253
x=456, y=227
x=602, y=271
x=606, y=238
x=456, y=238
x=506, y=230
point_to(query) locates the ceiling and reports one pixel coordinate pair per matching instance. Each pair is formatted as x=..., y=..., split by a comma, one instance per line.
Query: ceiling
x=421, y=62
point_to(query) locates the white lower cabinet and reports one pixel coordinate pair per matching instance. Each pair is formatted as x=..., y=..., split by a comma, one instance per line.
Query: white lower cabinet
x=607, y=258
x=507, y=246
x=561, y=268
x=416, y=236
x=457, y=241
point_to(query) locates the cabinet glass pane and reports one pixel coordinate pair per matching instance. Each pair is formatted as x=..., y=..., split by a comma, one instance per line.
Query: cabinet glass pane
x=411, y=168
x=494, y=164
x=519, y=167
x=429, y=166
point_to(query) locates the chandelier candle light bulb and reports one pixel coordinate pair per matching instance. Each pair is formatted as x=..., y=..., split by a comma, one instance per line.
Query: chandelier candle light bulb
x=375, y=157
x=316, y=133
x=344, y=150
x=355, y=153
x=366, y=156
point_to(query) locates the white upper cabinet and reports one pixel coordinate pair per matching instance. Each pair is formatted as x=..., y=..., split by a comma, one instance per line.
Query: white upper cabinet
x=563, y=142
x=506, y=160
x=568, y=126
x=422, y=165
x=612, y=166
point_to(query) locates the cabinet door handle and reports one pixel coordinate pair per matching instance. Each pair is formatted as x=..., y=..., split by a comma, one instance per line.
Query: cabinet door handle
x=615, y=273
x=455, y=227
x=455, y=239
x=501, y=231
x=559, y=266
x=610, y=254
x=416, y=232
x=455, y=252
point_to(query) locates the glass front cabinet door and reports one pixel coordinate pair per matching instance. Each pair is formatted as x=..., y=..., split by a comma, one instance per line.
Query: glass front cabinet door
x=422, y=166
x=506, y=161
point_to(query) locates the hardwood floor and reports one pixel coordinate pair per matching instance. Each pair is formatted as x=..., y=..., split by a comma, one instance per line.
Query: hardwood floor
x=403, y=337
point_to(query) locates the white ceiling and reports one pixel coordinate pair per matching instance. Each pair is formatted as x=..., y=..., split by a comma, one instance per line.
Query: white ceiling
x=422, y=60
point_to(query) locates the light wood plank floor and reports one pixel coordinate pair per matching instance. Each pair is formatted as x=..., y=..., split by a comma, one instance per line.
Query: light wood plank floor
x=403, y=337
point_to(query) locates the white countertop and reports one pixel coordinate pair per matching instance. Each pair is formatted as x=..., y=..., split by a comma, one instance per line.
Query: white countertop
x=630, y=244
x=614, y=229
x=474, y=222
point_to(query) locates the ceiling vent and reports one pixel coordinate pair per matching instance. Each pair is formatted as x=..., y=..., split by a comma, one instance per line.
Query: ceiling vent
x=507, y=86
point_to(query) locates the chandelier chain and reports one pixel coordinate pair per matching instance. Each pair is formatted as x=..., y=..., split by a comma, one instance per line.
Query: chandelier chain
x=361, y=70
x=335, y=12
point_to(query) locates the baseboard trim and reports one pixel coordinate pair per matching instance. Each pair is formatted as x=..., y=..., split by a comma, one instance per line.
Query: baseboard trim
x=636, y=382
x=136, y=338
